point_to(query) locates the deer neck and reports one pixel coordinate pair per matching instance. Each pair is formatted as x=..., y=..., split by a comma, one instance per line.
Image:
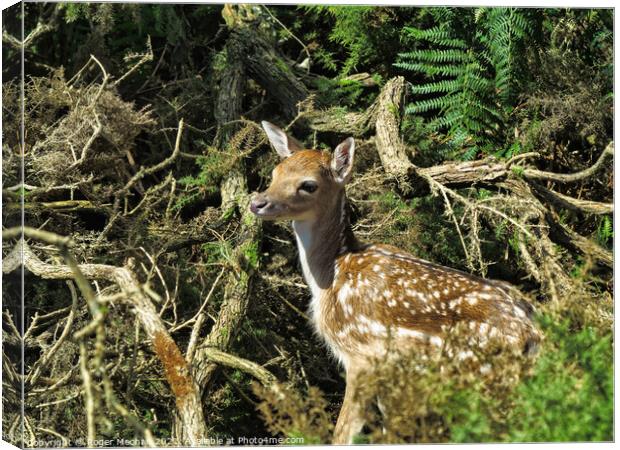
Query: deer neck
x=321, y=240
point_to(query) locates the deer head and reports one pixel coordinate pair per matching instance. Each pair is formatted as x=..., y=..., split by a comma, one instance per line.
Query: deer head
x=306, y=182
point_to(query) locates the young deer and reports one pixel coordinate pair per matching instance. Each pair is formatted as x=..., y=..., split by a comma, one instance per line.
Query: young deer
x=364, y=295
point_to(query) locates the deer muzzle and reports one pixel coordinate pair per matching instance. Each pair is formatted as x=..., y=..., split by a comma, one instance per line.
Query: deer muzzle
x=263, y=207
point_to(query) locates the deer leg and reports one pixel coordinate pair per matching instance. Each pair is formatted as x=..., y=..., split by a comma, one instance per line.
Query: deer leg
x=384, y=415
x=351, y=418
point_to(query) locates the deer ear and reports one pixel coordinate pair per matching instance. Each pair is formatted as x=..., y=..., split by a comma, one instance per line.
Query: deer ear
x=342, y=160
x=283, y=143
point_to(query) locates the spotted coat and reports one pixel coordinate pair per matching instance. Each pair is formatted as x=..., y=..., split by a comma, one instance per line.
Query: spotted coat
x=382, y=295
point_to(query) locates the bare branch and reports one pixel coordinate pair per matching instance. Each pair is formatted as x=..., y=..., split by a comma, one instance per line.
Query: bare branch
x=157, y=167
x=178, y=375
x=44, y=360
x=564, y=201
x=535, y=174
x=16, y=43
x=146, y=57
x=89, y=400
x=260, y=373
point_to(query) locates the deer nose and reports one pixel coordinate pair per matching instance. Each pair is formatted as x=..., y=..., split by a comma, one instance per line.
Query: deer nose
x=257, y=204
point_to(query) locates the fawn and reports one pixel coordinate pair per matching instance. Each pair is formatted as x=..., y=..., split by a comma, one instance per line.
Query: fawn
x=364, y=294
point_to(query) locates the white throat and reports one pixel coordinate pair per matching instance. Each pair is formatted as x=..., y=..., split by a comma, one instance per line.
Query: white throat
x=320, y=241
x=304, y=236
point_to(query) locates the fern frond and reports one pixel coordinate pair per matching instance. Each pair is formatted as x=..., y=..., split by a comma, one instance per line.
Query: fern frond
x=469, y=92
x=437, y=56
x=436, y=35
x=431, y=70
x=444, y=102
x=444, y=86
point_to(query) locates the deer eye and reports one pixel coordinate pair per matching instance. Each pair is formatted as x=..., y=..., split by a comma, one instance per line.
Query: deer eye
x=308, y=186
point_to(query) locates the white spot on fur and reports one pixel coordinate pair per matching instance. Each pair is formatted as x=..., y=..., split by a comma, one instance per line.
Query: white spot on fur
x=472, y=300
x=344, y=293
x=348, y=309
x=408, y=332
x=436, y=340
x=465, y=354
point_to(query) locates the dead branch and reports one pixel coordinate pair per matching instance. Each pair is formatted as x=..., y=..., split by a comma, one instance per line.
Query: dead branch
x=565, y=201
x=460, y=174
x=265, y=377
x=89, y=397
x=61, y=206
x=96, y=132
x=558, y=232
x=34, y=191
x=387, y=126
x=269, y=69
x=180, y=379
x=16, y=43
x=573, y=240
x=535, y=174
x=337, y=120
x=144, y=171
x=144, y=58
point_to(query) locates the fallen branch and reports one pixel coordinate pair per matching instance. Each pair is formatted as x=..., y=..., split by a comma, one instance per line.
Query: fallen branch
x=61, y=205
x=176, y=369
x=573, y=240
x=565, y=201
x=392, y=152
x=265, y=377
x=535, y=174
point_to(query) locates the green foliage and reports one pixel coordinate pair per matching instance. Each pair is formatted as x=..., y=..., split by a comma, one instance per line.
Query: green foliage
x=571, y=389
x=359, y=37
x=605, y=230
x=212, y=168
x=342, y=92
x=250, y=252
x=98, y=13
x=471, y=70
x=217, y=252
x=138, y=21
x=348, y=33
